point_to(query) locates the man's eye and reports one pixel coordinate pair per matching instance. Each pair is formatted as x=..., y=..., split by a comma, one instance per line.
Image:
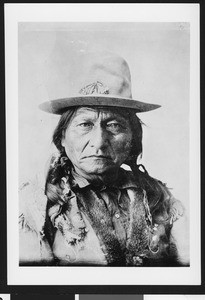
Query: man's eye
x=114, y=126
x=85, y=125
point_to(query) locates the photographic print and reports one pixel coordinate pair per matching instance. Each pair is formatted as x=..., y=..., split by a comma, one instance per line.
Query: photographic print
x=103, y=124
x=87, y=210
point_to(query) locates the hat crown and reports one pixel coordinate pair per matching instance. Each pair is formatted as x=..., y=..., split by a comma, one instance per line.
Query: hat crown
x=107, y=73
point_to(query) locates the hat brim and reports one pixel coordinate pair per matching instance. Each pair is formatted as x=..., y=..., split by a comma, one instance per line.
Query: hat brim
x=59, y=106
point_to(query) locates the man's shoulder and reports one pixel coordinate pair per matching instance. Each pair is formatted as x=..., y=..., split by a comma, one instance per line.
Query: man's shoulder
x=142, y=179
x=33, y=202
x=158, y=193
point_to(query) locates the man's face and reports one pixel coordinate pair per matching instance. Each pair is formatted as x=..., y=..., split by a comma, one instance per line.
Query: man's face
x=97, y=140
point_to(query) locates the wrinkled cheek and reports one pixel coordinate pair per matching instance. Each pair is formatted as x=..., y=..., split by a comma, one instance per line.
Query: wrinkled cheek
x=71, y=153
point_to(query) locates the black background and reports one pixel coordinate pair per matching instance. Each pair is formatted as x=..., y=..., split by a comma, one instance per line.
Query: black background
x=67, y=292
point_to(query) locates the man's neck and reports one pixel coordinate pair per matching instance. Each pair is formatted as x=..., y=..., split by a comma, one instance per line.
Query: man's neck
x=107, y=178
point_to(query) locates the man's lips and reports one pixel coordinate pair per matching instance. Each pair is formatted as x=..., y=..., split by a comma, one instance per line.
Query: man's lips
x=97, y=157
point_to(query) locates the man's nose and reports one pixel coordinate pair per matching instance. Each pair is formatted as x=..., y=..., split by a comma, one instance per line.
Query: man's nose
x=99, y=138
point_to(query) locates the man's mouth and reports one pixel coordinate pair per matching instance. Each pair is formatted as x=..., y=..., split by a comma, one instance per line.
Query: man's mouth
x=98, y=156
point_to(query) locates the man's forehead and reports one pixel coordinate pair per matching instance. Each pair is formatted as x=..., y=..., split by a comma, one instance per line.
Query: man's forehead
x=95, y=111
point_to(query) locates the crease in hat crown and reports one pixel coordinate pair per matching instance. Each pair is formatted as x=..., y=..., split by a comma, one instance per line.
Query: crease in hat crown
x=105, y=81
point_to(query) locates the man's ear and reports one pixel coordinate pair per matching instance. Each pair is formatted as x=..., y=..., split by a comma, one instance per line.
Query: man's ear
x=63, y=139
x=63, y=142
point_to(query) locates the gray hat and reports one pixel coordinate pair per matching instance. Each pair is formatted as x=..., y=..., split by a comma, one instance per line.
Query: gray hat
x=106, y=82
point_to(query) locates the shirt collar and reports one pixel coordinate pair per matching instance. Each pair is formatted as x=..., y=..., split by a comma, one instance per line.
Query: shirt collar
x=125, y=180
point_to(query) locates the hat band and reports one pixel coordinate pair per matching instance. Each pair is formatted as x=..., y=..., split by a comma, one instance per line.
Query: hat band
x=94, y=88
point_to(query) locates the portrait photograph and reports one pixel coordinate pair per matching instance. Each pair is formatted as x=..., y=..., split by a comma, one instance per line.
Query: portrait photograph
x=102, y=106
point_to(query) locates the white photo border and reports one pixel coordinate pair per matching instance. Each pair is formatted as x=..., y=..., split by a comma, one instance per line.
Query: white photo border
x=15, y=13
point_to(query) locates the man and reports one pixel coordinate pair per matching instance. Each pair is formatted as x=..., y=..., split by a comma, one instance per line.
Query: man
x=90, y=211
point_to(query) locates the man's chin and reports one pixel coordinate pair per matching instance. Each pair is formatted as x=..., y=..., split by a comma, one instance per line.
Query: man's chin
x=100, y=170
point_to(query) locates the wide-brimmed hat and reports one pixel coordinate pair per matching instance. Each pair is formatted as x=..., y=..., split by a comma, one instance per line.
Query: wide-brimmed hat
x=106, y=82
